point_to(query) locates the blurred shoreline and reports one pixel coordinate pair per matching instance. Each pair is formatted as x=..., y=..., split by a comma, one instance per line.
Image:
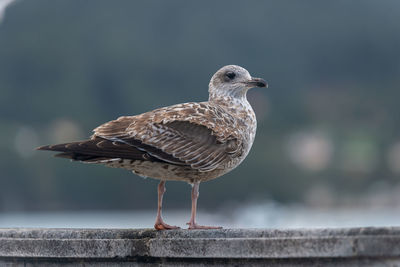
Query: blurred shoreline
x=263, y=215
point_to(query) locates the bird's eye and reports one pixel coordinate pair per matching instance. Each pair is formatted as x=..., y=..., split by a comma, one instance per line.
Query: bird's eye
x=231, y=75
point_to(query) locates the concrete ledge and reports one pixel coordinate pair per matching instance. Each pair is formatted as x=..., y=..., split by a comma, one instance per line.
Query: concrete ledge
x=110, y=247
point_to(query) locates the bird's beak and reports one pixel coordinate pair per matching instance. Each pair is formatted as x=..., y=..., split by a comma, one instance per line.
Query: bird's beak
x=256, y=82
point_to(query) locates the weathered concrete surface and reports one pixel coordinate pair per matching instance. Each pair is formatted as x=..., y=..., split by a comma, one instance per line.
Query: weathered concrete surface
x=131, y=247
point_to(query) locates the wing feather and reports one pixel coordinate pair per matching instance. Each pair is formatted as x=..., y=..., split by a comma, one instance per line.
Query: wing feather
x=199, y=139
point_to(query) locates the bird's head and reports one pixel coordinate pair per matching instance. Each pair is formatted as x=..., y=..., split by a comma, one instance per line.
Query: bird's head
x=233, y=81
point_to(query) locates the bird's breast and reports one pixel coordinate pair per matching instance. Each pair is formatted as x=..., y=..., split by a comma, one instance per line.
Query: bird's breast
x=245, y=127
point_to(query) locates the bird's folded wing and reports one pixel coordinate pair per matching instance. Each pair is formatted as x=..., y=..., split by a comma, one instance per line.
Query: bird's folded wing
x=201, y=136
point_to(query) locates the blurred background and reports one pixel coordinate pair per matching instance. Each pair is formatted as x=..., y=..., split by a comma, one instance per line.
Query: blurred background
x=327, y=150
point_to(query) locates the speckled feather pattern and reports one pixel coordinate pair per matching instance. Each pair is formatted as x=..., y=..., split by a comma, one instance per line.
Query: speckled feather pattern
x=211, y=137
x=190, y=142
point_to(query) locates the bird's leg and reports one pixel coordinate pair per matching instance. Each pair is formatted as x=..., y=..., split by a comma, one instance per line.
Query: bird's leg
x=160, y=224
x=192, y=223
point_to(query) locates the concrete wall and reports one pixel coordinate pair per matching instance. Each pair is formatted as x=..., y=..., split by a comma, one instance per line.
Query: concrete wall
x=251, y=247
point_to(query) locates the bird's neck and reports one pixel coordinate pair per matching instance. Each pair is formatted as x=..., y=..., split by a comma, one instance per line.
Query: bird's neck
x=235, y=96
x=233, y=104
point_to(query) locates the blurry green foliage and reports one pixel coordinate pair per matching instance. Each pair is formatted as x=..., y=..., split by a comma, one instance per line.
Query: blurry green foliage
x=333, y=67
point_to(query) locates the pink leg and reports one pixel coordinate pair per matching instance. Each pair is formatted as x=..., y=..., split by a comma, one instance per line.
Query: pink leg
x=160, y=224
x=192, y=223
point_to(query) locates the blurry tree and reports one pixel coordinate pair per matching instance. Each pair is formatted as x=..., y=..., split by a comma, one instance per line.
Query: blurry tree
x=67, y=66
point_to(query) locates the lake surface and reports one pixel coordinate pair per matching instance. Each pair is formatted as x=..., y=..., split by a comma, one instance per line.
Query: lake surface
x=250, y=216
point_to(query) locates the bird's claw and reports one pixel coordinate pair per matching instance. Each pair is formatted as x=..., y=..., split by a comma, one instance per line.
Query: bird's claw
x=164, y=226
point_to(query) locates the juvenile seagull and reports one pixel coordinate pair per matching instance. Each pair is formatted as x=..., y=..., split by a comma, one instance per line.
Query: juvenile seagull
x=191, y=142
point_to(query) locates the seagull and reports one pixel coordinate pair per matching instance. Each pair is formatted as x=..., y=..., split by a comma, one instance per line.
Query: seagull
x=192, y=142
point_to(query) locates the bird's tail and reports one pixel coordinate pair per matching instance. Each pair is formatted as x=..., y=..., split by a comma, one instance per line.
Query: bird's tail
x=99, y=150
x=94, y=150
x=81, y=150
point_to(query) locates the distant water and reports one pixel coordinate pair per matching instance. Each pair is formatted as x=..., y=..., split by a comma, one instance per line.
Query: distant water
x=251, y=216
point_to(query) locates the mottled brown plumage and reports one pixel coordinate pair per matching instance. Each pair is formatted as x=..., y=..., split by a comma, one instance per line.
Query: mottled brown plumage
x=191, y=142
